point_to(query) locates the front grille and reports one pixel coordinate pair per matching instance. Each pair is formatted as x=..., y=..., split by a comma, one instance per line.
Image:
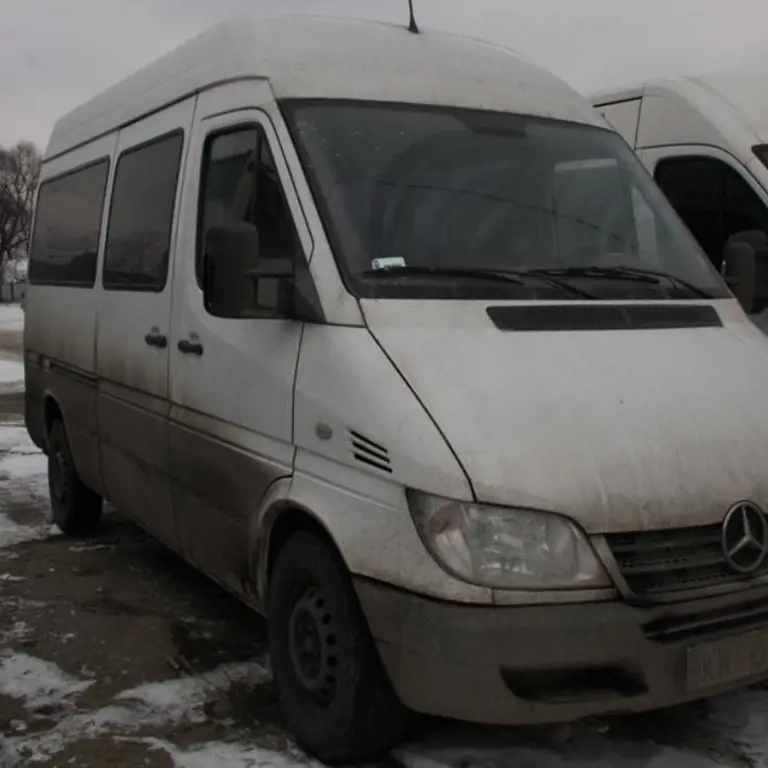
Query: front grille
x=655, y=563
x=741, y=618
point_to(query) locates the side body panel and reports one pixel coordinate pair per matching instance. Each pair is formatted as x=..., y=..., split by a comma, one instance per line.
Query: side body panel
x=362, y=437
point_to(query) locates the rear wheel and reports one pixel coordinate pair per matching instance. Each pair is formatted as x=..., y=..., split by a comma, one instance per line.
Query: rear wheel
x=335, y=693
x=76, y=508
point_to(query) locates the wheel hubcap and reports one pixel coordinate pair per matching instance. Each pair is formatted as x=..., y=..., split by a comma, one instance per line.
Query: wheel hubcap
x=312, y=639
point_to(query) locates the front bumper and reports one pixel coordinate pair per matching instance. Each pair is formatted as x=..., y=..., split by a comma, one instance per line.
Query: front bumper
x=514, y=665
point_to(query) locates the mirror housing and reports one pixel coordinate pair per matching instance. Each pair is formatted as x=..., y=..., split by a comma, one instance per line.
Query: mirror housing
x=745, y=259
x=237, y=283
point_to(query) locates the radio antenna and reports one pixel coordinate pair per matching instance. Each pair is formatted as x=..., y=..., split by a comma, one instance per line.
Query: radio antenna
x=412, y=26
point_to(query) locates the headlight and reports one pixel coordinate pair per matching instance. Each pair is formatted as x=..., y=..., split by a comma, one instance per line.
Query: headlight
x=506, y=548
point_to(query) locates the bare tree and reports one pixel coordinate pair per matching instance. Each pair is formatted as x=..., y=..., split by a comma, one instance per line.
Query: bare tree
x=19, y=177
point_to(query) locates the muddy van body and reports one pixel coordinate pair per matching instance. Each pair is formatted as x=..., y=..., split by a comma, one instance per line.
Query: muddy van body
x=393, y=337
x=704, y=138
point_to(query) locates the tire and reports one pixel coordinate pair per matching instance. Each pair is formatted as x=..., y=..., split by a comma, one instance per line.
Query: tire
x=76, y=508
x=335, y=694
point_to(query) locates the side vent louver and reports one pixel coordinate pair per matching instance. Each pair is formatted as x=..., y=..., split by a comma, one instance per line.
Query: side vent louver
x=370, y=453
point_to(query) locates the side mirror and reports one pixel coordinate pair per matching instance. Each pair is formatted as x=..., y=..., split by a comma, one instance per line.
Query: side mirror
x=745, y=258
x=237, y=283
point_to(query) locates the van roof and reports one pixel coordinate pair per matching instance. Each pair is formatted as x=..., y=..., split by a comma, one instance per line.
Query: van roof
x=316, y=57
x=741, y=95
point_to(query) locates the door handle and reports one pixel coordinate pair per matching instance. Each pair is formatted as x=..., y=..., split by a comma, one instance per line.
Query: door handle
x=154, y=339
x=187, y=347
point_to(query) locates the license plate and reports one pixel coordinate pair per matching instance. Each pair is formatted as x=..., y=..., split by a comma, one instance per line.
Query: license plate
x=726, y=661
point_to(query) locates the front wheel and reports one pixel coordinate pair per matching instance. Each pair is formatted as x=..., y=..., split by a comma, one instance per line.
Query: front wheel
x=76, y=508
x=336, y=696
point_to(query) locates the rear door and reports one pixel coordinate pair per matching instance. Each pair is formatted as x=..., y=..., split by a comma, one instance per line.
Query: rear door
x=134, y=317
x=232, y=380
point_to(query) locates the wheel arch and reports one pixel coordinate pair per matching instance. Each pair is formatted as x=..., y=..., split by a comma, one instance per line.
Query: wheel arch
x=279, y=519
x=52, y=412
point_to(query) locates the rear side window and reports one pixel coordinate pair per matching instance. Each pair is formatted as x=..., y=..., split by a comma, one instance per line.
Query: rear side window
x=65, y=241
x=141, y=216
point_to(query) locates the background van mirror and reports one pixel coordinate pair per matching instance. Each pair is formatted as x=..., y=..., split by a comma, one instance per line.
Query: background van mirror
x=745, y=268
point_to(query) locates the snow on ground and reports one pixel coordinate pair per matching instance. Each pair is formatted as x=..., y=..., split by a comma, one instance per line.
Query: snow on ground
x=11, y=361
x=170, y=703
x=11, y=317
x=183, y=699
x=37, y=683
x=23, y=482
x=11, y=374
x=12, y=533
x=223, y=755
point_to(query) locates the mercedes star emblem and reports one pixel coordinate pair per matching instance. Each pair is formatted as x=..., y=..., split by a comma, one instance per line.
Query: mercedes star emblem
x=745, y=537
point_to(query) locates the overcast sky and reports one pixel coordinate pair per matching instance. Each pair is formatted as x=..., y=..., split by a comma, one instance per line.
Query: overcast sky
x=55, y=54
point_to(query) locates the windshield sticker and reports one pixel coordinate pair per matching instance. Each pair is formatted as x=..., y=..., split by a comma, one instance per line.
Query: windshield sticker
x=388, y=263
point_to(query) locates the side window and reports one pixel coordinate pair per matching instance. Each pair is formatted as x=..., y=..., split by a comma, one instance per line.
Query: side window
x=67, y=228
x=240, y=182
x=713, y=200
x=694, y=187
x=743, y=210
x=141, y=216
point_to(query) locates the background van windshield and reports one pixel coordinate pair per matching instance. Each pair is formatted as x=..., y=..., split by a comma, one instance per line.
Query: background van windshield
x=442, y=188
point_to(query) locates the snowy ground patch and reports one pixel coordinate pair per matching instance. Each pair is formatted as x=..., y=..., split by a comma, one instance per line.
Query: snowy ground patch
x=23, y=486
x=161, y=704
x=224, y=755
x=11, y=317
x=11, y=352
x=19, y=630
x=36, y=682
x=183, y=699
x=11, y=375
x=13, y=533
x=28, y=466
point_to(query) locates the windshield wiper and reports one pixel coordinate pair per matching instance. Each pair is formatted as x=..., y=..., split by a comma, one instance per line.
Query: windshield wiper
x=405, y=270
x=519, y=277
x=638, y=274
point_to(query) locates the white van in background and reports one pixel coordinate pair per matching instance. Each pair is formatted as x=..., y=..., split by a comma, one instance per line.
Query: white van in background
x=392, y=336
x=705, y=140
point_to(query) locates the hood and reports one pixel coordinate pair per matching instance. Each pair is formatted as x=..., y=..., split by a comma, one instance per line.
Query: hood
x=621, y=430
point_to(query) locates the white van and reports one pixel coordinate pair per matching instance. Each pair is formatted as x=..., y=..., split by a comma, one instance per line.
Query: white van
x=392, y=336
x=705, y=140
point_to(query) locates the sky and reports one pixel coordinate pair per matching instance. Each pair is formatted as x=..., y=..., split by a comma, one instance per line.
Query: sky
x=55, y=54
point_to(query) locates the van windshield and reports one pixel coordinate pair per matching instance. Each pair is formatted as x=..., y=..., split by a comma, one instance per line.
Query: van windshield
x=430, y=202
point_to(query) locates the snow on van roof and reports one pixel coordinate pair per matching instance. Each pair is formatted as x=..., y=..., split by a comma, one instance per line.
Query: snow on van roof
x=319, y=57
